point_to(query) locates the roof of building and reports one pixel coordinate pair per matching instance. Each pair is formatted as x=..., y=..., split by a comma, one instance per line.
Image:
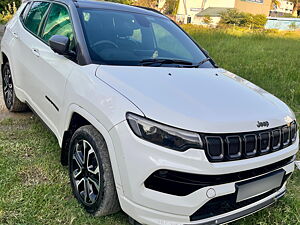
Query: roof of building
x=212, y=11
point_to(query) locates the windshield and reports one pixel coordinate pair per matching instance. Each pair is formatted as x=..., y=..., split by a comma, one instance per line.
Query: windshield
x=125, y=38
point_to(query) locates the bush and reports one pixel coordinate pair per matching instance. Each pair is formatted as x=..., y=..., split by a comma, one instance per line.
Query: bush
x=259, y=21
x=234, y=17
x=8, y=12
x=4, y=3
x=207, y=20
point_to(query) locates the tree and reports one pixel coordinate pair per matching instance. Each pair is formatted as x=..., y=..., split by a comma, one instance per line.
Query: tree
x=275, y=3
x=4, y=3
x=232, y=16
x=170, y=7
x=146, y=3
x=293, y=26
x=128, y=2
x=207, y=20
x=295, y=9
x=259, y=21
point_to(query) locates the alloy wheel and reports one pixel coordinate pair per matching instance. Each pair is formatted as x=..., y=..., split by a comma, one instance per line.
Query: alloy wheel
x=85, y=172
x=8, y=89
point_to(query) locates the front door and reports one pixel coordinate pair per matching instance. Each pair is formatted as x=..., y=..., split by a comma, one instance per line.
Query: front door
x=53, y=70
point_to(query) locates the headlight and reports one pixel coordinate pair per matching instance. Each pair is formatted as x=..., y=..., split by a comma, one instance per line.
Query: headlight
x=163, y=135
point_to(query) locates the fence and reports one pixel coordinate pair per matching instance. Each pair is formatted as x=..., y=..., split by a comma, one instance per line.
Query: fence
x=283, y=23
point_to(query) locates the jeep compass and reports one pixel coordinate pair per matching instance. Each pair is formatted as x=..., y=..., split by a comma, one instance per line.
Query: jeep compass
x=146, y=120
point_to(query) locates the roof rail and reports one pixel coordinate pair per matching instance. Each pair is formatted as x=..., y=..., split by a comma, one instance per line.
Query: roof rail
x=147, y=8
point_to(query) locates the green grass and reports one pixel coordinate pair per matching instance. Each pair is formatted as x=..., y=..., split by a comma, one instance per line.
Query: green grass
x=34, y=187
x=270, y=61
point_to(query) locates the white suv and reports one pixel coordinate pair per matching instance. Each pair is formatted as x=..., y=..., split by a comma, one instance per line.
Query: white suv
x=145, y=119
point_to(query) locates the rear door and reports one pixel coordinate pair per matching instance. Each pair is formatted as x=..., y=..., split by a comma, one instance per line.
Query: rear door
x=25, y=30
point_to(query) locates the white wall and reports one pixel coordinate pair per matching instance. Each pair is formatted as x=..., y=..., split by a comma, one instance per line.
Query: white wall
x=193, y=7
x=161, y=4
x=285, y=7
x=214, y=22
x=219, y=3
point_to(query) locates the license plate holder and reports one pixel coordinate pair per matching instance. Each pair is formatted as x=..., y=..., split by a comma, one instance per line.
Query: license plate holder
x=260, y=185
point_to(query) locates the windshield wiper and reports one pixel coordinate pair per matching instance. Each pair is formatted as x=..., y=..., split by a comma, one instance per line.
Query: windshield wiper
x=148, y=62
x=202, y=62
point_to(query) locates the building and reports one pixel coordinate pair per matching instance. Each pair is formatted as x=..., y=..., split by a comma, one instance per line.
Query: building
x=284, y=7
x=193, y=11
x=161, y=4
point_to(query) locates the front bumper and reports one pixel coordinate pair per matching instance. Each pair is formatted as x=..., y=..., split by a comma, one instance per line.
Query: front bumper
x=149, y=216
x=138, y=159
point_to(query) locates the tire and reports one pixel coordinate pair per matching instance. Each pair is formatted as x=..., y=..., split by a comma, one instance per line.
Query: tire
x=12, y=103
x=88, y=151
x=132, y=221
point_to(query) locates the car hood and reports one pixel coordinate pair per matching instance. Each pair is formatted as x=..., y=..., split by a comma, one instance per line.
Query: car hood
x=203, y=100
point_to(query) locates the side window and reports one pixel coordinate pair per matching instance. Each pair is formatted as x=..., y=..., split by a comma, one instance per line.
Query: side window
x=58, y=23
x=35, y=16
x=25, y=12
x=137, y=35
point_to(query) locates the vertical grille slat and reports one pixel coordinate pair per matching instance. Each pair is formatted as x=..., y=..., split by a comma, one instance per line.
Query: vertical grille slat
x=250, y=145
x=276, y=139
x=285, y=136
x=234, y=147
x=228, y=147
x=265, y=139
x=215, y=148
x=293, y=132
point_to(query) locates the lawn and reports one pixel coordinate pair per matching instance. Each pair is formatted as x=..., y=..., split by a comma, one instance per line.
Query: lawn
x=35, y=187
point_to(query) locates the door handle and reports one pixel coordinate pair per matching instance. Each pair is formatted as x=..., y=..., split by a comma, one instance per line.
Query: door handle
x=15, y=34
x=36, y=52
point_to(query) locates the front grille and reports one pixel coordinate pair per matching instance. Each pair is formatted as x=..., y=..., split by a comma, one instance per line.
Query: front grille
x=228, y=147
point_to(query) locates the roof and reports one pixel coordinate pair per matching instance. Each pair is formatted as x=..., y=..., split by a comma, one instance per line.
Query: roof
x=212, y=11
x=116, y=6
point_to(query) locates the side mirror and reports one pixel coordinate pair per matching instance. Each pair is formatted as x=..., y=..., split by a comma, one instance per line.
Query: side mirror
x=60, y=44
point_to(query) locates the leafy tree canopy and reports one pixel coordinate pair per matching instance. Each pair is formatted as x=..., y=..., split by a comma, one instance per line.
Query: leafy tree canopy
x=121, y=1
x=4, y=3
x=232, y=16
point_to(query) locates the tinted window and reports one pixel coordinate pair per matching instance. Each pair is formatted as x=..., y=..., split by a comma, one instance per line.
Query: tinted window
x=35, y=16
x=125, y=38
x=165, y=41
x=25, y=11
x=58, y=23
